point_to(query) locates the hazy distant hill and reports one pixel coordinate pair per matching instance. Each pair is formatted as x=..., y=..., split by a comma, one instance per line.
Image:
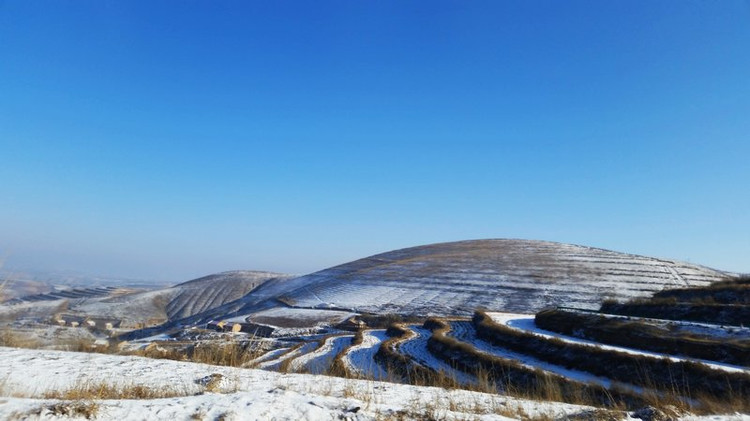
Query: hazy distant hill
x=11, y=288
x=176, y=302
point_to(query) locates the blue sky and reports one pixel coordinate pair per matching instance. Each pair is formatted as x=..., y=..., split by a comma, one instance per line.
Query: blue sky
x=169, y=140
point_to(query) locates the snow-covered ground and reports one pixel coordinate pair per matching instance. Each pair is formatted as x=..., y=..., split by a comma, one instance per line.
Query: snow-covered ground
x=268, y=356
x=320, y=360
x=275, y=364
x=708, y=330
x=453, y=279
x=525, y=322
x=416, y=348
x=360, y=359
x=26, y=376
x=464, y=331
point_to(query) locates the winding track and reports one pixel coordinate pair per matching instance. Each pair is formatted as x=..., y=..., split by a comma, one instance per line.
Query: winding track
x=319, y=360
x=270, y=355
x=275, y=364
x=415, y=347
x=360, y=359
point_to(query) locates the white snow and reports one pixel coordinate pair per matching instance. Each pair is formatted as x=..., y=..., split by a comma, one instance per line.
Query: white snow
x=319, y=360
x=710, y=330
x=416, y=348
x=525, y=322
x=26, y=375
x=270, y=355
x=464, y=332
x=360, y=359
x=275, y=364
x=509, y=275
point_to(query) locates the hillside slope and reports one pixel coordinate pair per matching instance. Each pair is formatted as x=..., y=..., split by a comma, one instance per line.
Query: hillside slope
x=182, y=300
x=509, y=275
x=177, y=302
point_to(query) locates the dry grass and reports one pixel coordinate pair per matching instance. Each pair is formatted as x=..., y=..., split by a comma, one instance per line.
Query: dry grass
x=729, y=291
x=515, y=379
x=4, y=389
x=671, y=378
x=77, y=409
x=87, y=390
x=13, y=339
x=231, y=354
x=338, y=367
x=723, y=302
x=286, y=361
x=198, y=415
x=644, y=335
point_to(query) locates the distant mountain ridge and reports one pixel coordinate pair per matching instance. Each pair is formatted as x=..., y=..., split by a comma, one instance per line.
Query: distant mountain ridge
x=151, y=306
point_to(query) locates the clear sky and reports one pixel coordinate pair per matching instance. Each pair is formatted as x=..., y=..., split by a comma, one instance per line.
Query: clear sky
x=172, y=139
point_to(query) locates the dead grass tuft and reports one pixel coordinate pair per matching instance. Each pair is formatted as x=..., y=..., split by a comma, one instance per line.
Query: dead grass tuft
x=76, y=409
x=85, y=390
x=13, y=339
x=231, y=354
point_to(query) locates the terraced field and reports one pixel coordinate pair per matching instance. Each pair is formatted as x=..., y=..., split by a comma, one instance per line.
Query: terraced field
x=510, y=353
x=359, y=359
x=72, y=293
x=509, y=275
x=688, y=346
x=465, y=332
x=321, y=359
x=417, y=349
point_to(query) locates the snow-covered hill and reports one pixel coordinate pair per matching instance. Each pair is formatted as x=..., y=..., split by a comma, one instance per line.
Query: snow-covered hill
x=506, y=275
x=173, y=303
x=447, y=279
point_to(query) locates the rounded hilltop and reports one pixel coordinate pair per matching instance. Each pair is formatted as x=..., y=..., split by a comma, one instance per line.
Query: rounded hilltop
x=503, y=274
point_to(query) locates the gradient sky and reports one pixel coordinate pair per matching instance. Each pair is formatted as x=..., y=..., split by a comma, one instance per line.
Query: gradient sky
x=172, y=139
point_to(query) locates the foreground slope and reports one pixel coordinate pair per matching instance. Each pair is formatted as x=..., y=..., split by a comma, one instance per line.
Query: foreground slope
x=49, y=384
x=508, y=275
